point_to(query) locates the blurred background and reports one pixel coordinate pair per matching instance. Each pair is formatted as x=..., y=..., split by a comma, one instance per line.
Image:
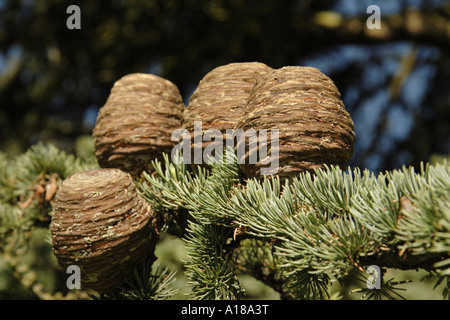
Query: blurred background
x=395, y=81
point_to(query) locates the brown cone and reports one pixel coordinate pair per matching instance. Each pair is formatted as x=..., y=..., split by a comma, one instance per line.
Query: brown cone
x=220, y=98
x=306, y=107
x=101, y=224
x=135, y=125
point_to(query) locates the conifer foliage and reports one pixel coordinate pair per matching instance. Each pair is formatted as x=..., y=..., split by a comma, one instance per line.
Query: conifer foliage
x=317, y=226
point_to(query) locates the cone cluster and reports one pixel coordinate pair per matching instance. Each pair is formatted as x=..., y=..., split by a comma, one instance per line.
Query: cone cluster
x=135, y=125
x=101, y=223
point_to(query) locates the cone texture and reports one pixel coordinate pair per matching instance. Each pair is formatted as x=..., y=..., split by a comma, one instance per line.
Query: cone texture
x=101, y=224
x=305, y=107
x=135, y=125
x=220, y=98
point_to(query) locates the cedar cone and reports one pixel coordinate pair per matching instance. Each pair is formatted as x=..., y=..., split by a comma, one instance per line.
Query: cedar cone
x=135, y=125
x=101, y=224
x=220, y=98
x=306, y=107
